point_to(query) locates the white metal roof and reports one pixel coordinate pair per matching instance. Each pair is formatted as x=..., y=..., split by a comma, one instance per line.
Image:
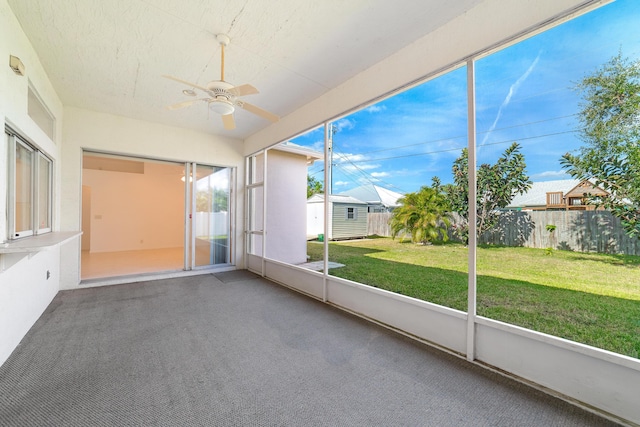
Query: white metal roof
x=374, y=194
x=335, y=198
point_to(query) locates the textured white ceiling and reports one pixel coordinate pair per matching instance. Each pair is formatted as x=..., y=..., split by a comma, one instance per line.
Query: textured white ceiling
x=109, y=55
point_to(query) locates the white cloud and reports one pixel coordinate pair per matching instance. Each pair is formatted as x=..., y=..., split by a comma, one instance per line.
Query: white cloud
x=375, y=108
x=512, y=90
x=359, y=167
x=379, y=174
x=348, y=157
x=344, y=124
x=339, y=183
x=318, y=145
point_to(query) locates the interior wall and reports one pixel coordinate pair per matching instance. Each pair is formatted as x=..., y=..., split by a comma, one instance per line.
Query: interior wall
x=488, y=24
x=108, y=133
x=131, y=211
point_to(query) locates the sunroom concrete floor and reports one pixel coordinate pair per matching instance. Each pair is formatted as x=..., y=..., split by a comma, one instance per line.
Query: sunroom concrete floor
x=233, y=349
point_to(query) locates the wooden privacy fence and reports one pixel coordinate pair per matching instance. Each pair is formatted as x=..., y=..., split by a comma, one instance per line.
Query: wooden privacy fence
x=378, y=223
x=582, y=231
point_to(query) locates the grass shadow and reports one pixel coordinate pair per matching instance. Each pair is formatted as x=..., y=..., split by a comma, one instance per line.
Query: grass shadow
x=315, y=251
x=609, y=259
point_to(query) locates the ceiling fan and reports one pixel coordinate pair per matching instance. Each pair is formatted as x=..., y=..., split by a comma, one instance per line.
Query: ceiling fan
x=222, y=97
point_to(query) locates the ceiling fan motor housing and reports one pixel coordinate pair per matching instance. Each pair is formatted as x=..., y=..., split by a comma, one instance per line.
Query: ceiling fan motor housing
x=222, y=102
x=219, y=89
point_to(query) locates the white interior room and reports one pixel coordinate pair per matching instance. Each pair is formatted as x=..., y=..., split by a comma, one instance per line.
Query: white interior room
x=98, y=72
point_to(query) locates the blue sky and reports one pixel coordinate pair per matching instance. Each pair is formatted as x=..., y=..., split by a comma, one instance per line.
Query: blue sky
x=523, y=94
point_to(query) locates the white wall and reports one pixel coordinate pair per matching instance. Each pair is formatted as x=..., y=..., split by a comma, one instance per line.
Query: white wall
x=489, y=23
x=286, y=226
x=120, y=135
x=25, y=290
x=131, y=211
x=286, y=207
x=315, y=218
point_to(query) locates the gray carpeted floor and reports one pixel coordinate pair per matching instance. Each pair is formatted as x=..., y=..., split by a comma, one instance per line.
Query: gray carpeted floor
x=236, y=350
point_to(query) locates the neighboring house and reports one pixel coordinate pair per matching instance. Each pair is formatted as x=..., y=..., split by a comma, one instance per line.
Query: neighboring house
x=348, y=217
x=565, y=194
x=378, y=199
x=285, y=227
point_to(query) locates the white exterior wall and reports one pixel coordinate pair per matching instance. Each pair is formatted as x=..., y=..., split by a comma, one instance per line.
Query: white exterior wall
x=315, y=218
x=286, y=227
x=286, y=206
x=25, y=290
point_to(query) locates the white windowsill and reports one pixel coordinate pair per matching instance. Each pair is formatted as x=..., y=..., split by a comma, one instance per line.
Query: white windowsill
x=39, y=243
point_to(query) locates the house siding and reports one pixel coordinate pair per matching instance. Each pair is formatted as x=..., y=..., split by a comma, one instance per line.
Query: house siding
x=344, y=228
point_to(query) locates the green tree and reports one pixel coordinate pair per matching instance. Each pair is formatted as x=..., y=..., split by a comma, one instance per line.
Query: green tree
x=610, y=129
x=206, y=202
x=423, y=214
x=313, y=186
x=497, y=185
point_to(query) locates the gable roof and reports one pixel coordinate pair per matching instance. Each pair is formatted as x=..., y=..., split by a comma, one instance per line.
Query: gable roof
x=537, y=194
x=310, y=154
x=373, y=194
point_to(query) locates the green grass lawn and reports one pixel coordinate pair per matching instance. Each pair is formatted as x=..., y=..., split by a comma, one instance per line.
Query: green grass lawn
x=588, y=298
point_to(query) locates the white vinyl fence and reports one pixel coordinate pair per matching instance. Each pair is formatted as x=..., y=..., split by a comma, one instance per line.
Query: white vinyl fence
x=212, y=224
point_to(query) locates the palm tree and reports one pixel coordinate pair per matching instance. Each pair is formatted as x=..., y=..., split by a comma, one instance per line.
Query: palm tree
x=423, y=214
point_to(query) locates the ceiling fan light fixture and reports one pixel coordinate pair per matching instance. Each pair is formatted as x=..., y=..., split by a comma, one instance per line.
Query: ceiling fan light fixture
x=222, y=107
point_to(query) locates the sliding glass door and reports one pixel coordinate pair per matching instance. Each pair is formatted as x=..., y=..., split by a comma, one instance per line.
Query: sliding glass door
x=147, y=216
x=211, y=226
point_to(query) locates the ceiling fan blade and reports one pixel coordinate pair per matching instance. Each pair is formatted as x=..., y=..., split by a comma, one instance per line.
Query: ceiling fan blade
x=258, y=111
x=184, y=104
x=243, y=90
x=228, y=121
x=186, y=83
